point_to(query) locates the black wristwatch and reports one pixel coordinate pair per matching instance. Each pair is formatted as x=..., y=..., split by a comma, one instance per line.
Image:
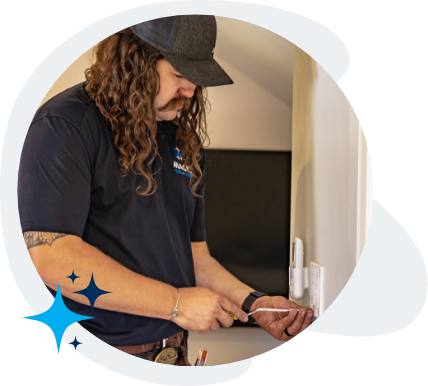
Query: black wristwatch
x=248, y=302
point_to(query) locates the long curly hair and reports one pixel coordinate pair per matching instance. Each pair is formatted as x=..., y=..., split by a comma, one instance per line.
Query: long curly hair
x=123, y=83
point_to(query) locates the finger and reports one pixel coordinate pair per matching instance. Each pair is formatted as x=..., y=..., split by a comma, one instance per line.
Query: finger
x=215, y=325
x=300, y=323
x=307, y=320
x=288, y=318
x=224, y=318
x=286, y=321
x=277, y=328
x=199, y=331
x=238, y=312
x=234, y=309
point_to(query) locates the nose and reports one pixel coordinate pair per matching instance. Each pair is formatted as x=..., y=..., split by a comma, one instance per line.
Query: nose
x=186, y=89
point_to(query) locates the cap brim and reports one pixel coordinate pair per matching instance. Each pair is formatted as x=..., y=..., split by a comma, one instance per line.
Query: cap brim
x=200, y=72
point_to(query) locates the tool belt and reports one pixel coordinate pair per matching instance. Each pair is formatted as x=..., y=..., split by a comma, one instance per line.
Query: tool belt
x=171, y=351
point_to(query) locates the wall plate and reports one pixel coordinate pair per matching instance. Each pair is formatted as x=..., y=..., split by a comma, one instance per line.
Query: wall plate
x=316, y=288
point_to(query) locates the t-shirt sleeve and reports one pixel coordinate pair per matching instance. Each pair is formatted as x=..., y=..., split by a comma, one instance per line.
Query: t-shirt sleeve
x=54, y=181
x=197, y=231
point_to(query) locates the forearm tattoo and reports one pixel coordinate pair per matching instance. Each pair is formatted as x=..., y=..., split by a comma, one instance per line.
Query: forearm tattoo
x=32, y=239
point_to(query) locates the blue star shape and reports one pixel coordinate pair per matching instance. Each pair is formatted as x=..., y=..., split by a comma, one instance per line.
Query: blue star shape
x=58, y=317
x=75, y=343
x=92, y=292
x=73, y=276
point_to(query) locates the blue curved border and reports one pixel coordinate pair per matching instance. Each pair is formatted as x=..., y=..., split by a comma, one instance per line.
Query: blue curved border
x=318, y=41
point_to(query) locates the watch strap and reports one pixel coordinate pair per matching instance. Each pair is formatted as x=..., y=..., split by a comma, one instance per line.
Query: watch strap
x=248, y=302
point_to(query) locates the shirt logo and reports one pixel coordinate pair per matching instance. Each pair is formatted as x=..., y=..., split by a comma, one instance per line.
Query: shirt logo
x=178, y=166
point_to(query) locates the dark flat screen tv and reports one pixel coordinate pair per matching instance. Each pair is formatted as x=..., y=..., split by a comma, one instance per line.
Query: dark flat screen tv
x=247, y=200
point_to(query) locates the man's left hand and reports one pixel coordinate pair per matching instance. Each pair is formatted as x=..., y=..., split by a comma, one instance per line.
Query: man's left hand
x=275, y=323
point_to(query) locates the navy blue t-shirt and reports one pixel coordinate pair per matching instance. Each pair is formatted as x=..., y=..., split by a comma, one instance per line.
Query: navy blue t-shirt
x=70, y=182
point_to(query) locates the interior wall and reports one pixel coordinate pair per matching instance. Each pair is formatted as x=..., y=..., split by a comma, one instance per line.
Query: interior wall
x=325, y=174
x=246, y=116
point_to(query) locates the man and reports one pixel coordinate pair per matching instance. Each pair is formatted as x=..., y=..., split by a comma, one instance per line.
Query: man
x=111, y=185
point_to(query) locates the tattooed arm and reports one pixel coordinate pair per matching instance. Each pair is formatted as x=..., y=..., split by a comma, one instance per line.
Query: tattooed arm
x=56, y=255
x=32, y=239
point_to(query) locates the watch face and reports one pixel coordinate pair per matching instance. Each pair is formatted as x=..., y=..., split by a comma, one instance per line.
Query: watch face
x=257, y=294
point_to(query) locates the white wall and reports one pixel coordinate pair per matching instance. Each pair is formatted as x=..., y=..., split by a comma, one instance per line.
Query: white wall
x=325, y=174
x=246, y=116
x=255, y=112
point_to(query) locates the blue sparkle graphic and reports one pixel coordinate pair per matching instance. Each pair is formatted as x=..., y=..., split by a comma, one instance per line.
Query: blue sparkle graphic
x=58, y=317
x=92, y=292
x=73, y=276
x=75, y=342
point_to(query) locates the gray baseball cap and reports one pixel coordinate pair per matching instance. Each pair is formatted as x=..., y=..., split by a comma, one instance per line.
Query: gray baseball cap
x=187, y=42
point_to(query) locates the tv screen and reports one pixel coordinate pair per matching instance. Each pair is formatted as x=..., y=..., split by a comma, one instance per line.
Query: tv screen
x=247, y=199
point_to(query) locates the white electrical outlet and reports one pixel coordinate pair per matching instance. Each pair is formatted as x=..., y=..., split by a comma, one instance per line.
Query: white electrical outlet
x=316, y=288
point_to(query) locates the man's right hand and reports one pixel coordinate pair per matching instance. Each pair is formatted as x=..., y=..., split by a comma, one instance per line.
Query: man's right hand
x=201, y=309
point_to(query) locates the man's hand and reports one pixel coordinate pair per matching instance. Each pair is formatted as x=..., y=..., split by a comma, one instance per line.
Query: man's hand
x=275, y=323
x=201, y=309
